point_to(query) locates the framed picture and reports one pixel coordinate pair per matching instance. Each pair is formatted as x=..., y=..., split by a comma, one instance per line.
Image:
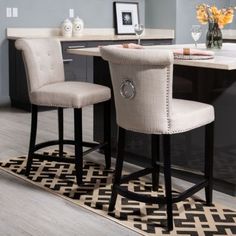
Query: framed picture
x=126, y=16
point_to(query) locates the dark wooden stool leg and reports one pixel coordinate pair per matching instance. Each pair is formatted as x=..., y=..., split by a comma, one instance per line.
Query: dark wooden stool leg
x=155, y=158
x=60, y=130
x=78, y=145
x=209, y=156
x=119, y=167
x=167, y=176
x=33, y=133
x=107, y=133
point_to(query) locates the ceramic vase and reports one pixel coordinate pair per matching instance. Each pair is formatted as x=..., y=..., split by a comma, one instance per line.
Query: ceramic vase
x=66, y=28
x=78, y=26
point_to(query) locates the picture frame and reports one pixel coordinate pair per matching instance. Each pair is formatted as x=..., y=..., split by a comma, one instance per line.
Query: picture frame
x=126, y=15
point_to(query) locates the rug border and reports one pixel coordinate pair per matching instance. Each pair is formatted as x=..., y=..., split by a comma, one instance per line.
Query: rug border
x=96, y=211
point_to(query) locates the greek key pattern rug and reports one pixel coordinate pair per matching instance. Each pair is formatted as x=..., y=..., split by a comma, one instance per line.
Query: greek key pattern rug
x=191, y=217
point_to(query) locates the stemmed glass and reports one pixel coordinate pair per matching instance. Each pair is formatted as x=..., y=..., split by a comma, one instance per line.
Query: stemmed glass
x=138, y=29
x=196, y=32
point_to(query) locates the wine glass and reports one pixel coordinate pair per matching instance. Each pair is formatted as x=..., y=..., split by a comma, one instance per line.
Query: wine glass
x=138, y=29
x=196, y=32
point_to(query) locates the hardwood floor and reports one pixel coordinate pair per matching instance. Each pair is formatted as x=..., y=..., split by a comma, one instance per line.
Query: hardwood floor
x=29, y=210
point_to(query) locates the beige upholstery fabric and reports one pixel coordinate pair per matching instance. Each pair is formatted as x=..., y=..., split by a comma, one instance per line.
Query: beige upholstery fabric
x=46, y=80
x=152, y=109
x=43, y=58
x=70, y=94
x=187, y=115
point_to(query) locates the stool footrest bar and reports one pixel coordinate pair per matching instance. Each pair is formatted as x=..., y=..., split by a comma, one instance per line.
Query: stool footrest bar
x=53, y=158
x=95, y=147
x=160, y=200
x=65, y=141
x=140, y=197
x=136, y=175
x=191, y=191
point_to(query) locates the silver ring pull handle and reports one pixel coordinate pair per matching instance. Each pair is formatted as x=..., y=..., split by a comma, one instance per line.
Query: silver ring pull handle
x=127, y=89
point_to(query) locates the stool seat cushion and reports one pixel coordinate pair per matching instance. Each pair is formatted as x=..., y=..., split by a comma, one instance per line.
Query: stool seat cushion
x=187, y=115
x=70, y=94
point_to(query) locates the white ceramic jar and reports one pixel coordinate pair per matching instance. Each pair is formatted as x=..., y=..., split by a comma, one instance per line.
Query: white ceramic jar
x=78, y=26
x=66, y=28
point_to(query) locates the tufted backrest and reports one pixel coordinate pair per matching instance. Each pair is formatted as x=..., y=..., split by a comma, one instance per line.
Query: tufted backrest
x=142, y=84
x=43, y=61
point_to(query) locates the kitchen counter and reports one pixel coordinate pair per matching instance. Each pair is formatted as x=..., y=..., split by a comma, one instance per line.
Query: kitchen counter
x=91, y=34
x=88, y=34
x=229, y=34
x=225, y=58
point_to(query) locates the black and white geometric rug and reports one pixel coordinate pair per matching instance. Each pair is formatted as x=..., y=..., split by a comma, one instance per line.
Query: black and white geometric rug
x=191, y=217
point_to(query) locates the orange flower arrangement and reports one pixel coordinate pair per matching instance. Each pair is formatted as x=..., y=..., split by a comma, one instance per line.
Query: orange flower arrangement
x=211, y=14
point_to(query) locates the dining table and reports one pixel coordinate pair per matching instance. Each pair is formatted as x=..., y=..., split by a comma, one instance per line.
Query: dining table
x=211, y=81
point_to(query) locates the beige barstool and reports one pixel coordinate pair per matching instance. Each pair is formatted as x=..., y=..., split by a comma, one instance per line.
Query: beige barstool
x=47, y=87
x=142, y=84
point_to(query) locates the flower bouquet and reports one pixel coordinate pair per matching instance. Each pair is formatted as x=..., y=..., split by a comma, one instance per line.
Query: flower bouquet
x=216, y=20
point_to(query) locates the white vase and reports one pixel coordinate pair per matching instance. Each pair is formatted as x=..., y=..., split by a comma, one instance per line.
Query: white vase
x=78, y=26
x=66, y=28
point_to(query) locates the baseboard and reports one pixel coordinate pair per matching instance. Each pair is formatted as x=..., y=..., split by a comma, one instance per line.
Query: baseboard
x=5, y=101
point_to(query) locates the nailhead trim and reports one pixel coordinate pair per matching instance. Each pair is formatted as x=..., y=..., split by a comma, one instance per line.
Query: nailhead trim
x=172, y=131
x=60, y=105
x=167, y=98
x=194, y=127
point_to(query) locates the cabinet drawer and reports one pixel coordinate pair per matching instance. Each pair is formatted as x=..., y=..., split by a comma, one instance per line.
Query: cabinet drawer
x=74, y=65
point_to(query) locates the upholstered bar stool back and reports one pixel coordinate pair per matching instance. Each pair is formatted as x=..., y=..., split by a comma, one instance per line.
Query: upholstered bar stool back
x=47, y=87
x=148, y=106
x=142, y=84
x=44, y=62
